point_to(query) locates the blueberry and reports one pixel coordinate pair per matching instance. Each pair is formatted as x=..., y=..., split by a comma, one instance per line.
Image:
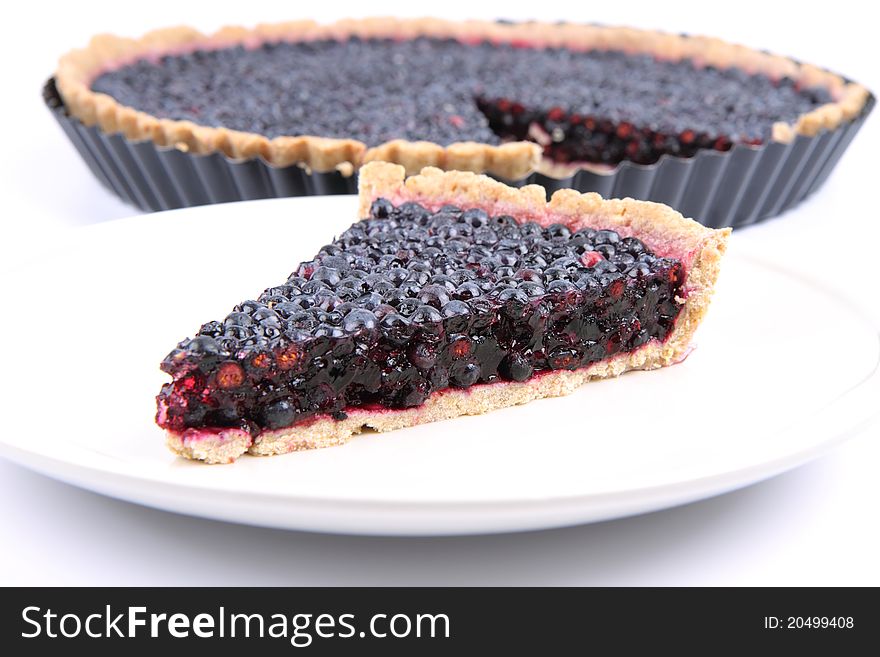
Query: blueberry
x=460, y=276
x=266, y=317
x=464, y=374
x=346, y=294
x=395, y=328
x=314, y=286
x=248, y=307
x=638, y=270
x=410, y=289
x=555, y=274
x=557, y=231
x=426, y=315
x=422, y=354
x=327, y=275
x=606, y=237
x=515, y=367
x=278, y=414
x=531, y=290
x=408, y=306
x=563, y=358
x=475, y=217
x=513, y=296
x=370, y=301
x=328, y=330
x=221, y=417
x=561, y=286
x=632, y=245
x=398, y=275
x=444, y=281
x=337, y=260
x=439, y=378
x=381, y=208
x=485, y=237
x=267, y=333
x=434, y=295
x=623, y=261
x=384, y=309
x=455, y=315
x=301, y=319
x=413, y=394
x=211, y=329
x=273, y=300
x=415, y=212
x=238, y=319
x=418, y=277
x=379, y=284
x=460, y=346
x=203, y=346
x=467, y=291
x=359, y=320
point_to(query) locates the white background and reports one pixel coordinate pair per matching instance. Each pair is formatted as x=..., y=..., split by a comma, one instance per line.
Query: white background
x=816, y=525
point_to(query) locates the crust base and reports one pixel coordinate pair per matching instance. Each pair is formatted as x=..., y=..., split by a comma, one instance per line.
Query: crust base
x=78, y=68
x=326, y=432
x=221, y=447
x=661, y=228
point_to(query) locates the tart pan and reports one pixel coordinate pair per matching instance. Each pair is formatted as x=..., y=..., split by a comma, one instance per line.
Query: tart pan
x=742, y=186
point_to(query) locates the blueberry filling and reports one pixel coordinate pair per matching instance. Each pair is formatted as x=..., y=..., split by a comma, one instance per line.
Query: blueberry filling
x=410, y=302
x=596, y=106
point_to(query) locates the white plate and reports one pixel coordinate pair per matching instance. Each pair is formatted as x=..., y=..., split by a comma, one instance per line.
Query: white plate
x=784, y=370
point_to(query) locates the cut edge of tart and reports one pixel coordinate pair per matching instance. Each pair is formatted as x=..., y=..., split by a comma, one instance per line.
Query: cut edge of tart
x=666, y=232
x=512, y=160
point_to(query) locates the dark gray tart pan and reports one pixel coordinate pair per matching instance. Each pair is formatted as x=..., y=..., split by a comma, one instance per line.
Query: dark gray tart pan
x=735, y=188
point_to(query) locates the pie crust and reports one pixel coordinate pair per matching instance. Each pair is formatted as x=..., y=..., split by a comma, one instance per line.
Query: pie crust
x=512, y=161
x=662, y=229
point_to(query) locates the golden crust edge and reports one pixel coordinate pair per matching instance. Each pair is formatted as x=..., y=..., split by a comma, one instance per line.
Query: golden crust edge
x=78, y=67
x=224, y=447
x=705, y=246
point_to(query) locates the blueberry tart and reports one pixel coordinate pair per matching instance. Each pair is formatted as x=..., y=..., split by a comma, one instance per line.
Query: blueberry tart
x=454, y=294
x=508, y=99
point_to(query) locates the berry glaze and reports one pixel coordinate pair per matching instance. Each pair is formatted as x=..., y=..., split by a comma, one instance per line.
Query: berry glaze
x=411, y=302
x=600, y=107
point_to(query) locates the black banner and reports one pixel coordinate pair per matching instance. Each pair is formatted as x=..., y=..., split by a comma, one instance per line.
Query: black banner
x=436, y=621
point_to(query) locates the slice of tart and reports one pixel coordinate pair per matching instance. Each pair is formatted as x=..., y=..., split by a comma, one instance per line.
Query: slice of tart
x=453, y=295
